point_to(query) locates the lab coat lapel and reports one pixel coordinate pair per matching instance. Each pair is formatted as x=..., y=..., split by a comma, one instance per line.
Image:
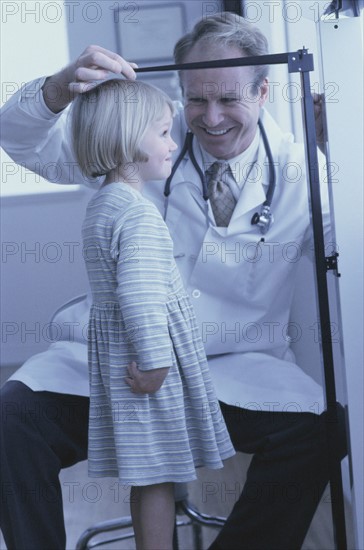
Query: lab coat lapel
x=254, y=190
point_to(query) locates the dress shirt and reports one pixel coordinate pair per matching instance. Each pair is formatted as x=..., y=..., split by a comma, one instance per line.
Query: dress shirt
x=240, y=166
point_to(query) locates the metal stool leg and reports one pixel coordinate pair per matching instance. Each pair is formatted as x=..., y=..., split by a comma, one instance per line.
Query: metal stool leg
x=194, y=518
x=175, y=537
x=104, y=527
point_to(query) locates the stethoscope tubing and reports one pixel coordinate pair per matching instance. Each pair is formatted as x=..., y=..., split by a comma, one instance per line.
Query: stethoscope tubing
x=272, y=172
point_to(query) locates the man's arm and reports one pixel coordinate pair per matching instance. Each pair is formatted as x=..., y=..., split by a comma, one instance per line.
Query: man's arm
x=34, y=129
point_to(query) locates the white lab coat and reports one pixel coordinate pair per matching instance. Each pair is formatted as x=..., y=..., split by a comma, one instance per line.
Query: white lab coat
x=240, y=286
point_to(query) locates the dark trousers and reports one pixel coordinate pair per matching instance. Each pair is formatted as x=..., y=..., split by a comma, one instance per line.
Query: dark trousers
x=286, y=478
x=41, y=432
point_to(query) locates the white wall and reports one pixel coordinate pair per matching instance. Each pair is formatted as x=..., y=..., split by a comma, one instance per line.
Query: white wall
x=41, y=263
x=342, y=64
x=33, y=40
x=41, y=267
x=33, y=43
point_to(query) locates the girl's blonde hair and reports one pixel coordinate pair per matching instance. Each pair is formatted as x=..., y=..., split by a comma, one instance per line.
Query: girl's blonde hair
x=109, y=121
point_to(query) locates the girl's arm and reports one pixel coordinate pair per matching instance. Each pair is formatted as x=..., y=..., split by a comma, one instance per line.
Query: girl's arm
x=143, y=250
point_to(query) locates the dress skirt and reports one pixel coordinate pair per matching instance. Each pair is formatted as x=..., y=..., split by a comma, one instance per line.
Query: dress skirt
x=160, y=437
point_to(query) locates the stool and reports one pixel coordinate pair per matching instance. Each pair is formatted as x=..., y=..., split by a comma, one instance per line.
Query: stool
x=193, y=518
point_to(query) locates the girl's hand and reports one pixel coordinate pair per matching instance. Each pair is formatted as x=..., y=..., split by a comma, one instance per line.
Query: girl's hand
x=145, y=381
x=95, y=63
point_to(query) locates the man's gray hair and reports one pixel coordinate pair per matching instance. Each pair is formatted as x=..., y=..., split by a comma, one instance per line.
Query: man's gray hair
x=227, y=29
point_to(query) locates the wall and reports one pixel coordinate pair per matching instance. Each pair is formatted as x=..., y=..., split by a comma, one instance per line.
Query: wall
x=345, y=149
x=98, y=25
x=41, y=263
x=41, y=267
x=28, y=31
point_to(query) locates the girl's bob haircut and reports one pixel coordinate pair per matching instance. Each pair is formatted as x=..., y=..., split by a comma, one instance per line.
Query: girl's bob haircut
x=109, y=121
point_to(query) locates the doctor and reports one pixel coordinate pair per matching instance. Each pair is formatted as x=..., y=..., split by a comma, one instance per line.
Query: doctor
x=240, y=276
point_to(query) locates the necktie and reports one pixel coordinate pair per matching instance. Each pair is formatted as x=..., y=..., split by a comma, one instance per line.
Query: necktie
x=221, y=197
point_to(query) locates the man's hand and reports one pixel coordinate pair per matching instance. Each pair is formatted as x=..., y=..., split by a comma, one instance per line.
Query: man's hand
x=320, y=120
x=95, y=63
x=145, y=381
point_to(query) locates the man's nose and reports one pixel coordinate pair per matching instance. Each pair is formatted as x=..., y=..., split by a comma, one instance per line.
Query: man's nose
x=212, y=115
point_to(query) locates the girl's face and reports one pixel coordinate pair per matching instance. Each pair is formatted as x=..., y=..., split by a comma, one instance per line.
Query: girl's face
x=158, y=145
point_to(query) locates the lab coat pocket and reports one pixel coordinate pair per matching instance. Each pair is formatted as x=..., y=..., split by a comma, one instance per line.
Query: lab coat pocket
x=267, y=269
x=251, y=258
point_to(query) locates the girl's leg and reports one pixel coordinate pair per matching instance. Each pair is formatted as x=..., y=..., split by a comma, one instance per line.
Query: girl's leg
x=153, y=513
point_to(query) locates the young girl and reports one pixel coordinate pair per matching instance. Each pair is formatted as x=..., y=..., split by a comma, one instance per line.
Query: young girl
x=154, y=416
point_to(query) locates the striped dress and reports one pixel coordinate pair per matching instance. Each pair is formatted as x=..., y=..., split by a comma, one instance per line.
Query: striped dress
x=141, y=312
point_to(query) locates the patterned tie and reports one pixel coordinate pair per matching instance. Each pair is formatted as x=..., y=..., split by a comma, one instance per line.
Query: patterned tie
x=221, y=198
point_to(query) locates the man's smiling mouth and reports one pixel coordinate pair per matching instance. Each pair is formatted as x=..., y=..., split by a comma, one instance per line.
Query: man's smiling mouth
x=217, y=132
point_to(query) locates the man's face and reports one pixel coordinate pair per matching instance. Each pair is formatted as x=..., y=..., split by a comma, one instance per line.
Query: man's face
x=222, y=106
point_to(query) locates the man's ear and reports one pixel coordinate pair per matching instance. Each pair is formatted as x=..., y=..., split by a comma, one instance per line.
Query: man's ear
x=264, y=92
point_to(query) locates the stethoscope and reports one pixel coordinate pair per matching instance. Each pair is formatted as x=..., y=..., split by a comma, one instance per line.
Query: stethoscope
x=263, y=220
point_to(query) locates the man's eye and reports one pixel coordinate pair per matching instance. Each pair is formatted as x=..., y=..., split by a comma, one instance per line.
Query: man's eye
x=229, y=99
x=195, y=100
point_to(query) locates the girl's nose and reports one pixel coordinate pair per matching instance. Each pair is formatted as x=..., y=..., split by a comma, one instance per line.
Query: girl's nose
x=172, y=145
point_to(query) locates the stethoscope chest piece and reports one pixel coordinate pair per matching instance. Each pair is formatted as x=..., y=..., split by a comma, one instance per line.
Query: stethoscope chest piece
x=264, y=220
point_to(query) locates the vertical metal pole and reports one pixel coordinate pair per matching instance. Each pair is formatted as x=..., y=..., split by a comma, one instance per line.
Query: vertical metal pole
x=337, y=497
